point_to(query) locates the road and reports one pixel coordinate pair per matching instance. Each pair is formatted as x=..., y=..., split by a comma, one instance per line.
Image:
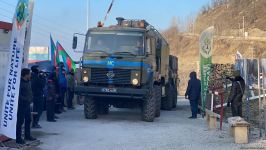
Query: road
x=122, y=129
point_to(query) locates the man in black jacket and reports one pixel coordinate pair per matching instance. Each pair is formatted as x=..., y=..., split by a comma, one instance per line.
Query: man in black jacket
x=236, y=94
x=37, y=85
x=70, y=88
x=52, y=95
x=24, y=114
x=193, y=93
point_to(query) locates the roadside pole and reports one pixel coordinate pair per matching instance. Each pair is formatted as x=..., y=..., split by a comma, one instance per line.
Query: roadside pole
x=259, y=88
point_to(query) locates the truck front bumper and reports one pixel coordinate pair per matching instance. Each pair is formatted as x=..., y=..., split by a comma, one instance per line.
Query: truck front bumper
x=117, y=92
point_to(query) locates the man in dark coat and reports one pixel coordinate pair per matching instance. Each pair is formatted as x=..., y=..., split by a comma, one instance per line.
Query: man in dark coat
x=24, y=113
x=51, y=96
x=193, y=93
x=236, y=94
x=62, y=88
x=70, y=89
x=37, y=85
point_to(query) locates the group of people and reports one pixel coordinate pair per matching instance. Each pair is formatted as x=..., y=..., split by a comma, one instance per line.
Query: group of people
x=193, y=93
x=45, y=91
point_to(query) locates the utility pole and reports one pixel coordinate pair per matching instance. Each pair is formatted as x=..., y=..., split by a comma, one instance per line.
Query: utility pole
x=88, y=14
x=243, y=26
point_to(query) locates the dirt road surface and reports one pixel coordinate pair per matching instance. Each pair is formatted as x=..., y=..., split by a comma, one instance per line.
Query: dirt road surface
x=122, y=129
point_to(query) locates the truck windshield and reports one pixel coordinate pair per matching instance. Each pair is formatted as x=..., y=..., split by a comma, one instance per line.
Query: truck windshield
x=116, y=43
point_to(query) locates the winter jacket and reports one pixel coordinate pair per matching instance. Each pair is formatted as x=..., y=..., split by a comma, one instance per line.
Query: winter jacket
x=51, y=87
x=51, y=90
x=62, y=80
x=70, y=82
x=193, y=88
x=25, y=92
x=37, y=85
x=237, y=91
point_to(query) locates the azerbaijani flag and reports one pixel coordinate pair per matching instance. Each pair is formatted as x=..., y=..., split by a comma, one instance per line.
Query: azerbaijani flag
x=68, y=62
x=53, y=52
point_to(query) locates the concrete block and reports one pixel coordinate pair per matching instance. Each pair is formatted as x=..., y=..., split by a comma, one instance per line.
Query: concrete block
x=232, y=131
x=207, y=117
x=241, y=134
x=212, y=122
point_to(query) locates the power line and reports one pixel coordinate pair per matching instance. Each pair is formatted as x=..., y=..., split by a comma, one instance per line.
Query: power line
x=43, y=19
x=7, y=3
x=6, y=10
x=43, y=25
x=37, y=30
x=6, y=16
x=42, y=28
x=38, y=22
x=48, y=34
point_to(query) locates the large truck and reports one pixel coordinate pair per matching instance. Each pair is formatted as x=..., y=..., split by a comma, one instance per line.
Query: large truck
x=126, y=66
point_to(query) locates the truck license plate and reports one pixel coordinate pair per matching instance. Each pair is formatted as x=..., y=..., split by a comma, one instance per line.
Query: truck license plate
x=109, y=90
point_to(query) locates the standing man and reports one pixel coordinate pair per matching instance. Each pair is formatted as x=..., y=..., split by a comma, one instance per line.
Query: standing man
x=24, y=113
x=62, y=87
x=193, y=93
x=51, y=96
x=236, y=94
x=70, y=89
x=37, y=85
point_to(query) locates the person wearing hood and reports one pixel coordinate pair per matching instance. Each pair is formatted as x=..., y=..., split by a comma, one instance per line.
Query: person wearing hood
x=193, y=93
x=51, y=96
x=37, y=85
x=70, y=89
x=236, y=94
x=62, y=87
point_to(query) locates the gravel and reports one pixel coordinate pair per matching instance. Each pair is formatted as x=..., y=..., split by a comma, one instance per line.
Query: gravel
x=122, y=129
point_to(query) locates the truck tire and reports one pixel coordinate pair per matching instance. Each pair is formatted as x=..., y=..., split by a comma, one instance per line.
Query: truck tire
x=167, y=103
x=158, y=91
x=175, y=96
x=149, y=107
x=90, y=108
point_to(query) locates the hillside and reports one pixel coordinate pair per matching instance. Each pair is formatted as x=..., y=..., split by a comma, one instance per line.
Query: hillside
x=227, y=18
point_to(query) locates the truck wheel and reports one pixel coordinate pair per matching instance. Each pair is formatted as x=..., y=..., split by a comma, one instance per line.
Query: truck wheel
x=175, y=96
x=90, y=108
x=167, y=103
x=149, y=107
x=158, y=92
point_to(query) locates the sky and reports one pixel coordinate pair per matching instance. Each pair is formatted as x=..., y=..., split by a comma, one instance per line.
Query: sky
x=62, y=18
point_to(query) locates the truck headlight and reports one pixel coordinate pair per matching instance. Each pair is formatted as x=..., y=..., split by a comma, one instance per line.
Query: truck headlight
x=85, y=79
x=135, y=81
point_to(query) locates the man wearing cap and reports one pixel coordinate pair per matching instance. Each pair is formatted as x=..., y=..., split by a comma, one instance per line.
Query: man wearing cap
x=236, y=94
x=37, y=84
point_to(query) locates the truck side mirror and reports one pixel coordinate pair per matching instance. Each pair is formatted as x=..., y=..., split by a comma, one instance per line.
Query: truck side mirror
x=75, y=42
x=149, y=50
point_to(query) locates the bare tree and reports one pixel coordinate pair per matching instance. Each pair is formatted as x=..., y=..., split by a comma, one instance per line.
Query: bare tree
x=171, y=34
